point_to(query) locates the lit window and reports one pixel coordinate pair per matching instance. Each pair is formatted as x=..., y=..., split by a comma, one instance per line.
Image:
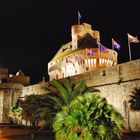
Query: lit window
x=89, y=62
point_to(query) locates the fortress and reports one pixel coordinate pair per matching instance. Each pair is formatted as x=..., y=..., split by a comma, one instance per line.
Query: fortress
x=84, y=58
x=83, y=54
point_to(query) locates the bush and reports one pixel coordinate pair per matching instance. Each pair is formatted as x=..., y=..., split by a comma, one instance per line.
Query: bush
x=88, y=117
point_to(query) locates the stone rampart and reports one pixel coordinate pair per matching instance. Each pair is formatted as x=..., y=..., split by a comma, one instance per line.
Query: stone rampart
x=116, y=84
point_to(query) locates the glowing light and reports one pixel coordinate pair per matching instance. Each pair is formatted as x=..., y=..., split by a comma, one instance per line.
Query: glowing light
x=94, y=60
x=86, y=62
x=89, y=62
x=103, y=60
x=100, y=61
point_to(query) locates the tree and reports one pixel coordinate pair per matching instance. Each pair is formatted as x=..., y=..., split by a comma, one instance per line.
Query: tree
x=61, y=94
x=31, y=106
x=135, y=99
x=88, y=117
x=15, y=113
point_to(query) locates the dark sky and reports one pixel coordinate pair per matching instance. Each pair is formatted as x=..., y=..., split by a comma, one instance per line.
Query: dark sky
x=32, y=31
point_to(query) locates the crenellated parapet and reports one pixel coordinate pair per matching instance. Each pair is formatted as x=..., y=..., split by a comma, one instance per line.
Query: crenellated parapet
x=79, y=31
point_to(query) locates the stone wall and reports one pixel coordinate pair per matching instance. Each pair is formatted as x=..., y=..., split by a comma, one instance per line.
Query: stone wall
x=116, y=84
x=1, y=105
x=115, y=74
x=24, y=80
x=34, y=89
x=9, y=93
x=118, y=96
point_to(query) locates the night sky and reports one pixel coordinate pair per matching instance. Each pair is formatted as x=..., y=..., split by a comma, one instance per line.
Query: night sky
x=32, y=31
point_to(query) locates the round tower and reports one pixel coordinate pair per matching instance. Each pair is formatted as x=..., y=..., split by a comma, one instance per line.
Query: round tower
x=20, y=78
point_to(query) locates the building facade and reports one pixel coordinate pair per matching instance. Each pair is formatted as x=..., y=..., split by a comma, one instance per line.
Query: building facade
x=83, y=54
x=84, y=58
x=11, y=87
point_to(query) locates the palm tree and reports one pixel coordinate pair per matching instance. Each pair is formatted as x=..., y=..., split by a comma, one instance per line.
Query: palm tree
x=135, y=99
x=61, y=94
x=88, y=117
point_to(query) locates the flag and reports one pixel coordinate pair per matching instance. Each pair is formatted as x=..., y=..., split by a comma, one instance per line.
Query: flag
x=89, y=51
x=79, y=15
x=115, y=45
x=133, y=39
x=103, y=48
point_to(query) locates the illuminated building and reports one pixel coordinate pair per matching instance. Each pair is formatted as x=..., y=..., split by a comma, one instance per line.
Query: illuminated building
x=84, y=58
x=11, y=87
x=83, y=54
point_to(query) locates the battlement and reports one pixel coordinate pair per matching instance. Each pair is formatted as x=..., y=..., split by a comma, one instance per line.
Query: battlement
x=119, y=73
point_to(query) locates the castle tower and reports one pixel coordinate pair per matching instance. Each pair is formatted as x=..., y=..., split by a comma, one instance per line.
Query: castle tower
x=10, y=90
x=79, y=31
x=83, y=54
x=20, y=78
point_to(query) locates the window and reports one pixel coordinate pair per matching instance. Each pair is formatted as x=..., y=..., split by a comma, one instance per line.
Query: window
x=87, y=68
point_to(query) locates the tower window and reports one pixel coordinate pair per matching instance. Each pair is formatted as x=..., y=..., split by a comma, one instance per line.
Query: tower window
x=103, y=73
x=87, y=68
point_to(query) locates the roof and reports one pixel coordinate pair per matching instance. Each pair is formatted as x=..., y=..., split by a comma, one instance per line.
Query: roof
x=19, y=73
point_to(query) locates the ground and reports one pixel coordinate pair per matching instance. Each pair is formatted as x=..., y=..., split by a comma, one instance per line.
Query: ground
x=21, y=134
x=24, y=134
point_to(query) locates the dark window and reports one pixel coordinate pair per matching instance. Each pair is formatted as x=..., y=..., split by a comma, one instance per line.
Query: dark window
x=87, y=68
x=103, y=73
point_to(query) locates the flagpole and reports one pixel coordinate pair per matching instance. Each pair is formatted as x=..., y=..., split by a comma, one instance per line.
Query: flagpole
x=78, y=20
x=79, y=16
x=112, y=45
x=129, y=48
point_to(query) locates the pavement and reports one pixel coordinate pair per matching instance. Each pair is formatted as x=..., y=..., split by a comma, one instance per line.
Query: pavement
x=6, y=133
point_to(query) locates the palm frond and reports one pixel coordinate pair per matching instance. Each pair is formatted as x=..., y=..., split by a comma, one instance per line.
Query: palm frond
x=135, y=99
x=79, y=88
x=68, y=85
x=88, y=117
x=62, y=90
